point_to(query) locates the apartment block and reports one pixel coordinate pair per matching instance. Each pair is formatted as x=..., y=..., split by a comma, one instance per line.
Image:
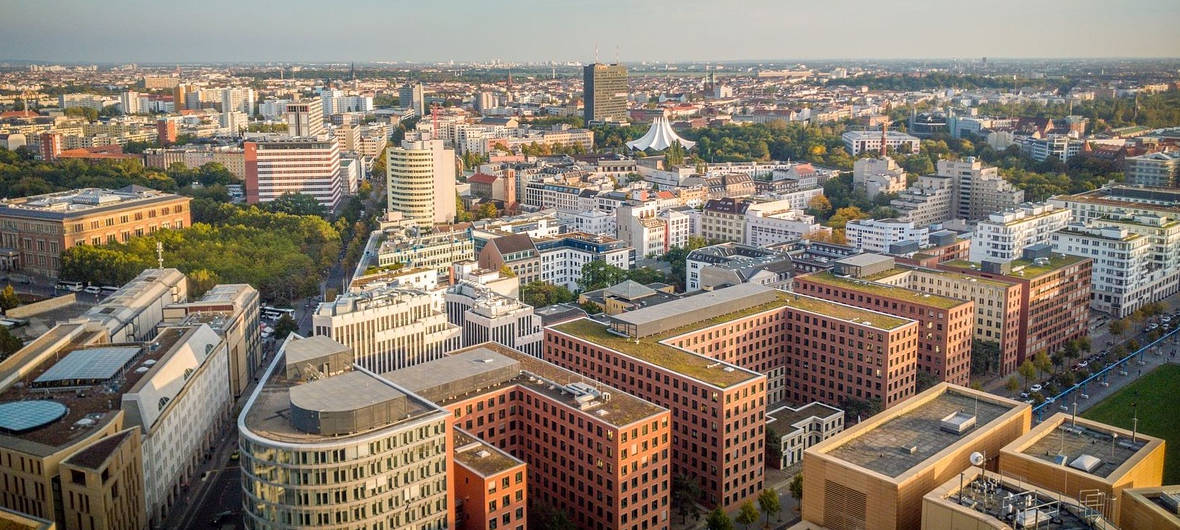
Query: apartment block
x=930, y=200
x=1054, y=296
x=101, y=486
x=1153, y=170
x=294, y=165
x=305, y=118
x=1120, y=200
x=35, y=230
x=997, y=306
x=945, y=325
x=880, y=235
x=594, y=452
x=858, y=142
x=437, y=251
x=356, y=450
x=490, y=486
x=386, y=328
x=979, y=190
x=1004, y=235
x=420, y=182
x=876, y=473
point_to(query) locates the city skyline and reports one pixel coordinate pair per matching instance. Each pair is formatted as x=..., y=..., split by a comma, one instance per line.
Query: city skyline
x=582, y=30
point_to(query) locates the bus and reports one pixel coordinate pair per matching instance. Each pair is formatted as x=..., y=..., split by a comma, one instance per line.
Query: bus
x=275, y=313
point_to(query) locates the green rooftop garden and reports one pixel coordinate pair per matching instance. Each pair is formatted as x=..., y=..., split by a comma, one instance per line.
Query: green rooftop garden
x=880, y=289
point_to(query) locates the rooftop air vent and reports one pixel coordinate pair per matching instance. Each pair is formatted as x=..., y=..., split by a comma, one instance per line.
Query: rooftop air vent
x=957, y=423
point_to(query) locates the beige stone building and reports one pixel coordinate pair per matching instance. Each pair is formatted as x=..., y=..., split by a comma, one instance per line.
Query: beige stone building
x=875, y=474
x=102, y=485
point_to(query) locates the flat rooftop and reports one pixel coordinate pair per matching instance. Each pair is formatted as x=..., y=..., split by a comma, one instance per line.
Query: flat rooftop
x=436, y=379
x=905, y=440
x=89, y=406
x=880, y=289
x=651, y=349
x=991, y=495
x=1084, y=446
x=785, y=416
x=268, y=413
x=480, y=456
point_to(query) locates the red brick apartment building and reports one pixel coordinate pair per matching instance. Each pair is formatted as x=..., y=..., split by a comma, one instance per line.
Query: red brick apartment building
x=945, y=324
x=598, y=454
x=714, y=359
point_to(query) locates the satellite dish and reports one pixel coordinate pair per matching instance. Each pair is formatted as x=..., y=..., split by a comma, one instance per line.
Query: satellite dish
x=976, y=458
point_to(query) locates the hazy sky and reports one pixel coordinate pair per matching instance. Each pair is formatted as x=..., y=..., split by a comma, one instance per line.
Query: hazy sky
x=540, y=30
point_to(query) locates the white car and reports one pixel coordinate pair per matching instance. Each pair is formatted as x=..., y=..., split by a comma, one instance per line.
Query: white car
x=93, y=289
x=1035, y=388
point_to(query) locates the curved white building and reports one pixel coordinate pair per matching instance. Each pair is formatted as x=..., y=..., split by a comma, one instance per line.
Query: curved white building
x=659, y=136
x=324, y=445
x=420, y=179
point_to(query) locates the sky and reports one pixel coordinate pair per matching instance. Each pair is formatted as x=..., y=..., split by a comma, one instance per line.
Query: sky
x=167, y=31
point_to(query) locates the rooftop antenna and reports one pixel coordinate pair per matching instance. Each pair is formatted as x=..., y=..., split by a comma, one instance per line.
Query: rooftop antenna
x=1134, y=422
x=160, y=253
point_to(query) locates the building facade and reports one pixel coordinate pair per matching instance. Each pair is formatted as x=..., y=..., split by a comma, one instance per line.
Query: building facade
x=604, y=93
x=295, y=165
x=420, y=180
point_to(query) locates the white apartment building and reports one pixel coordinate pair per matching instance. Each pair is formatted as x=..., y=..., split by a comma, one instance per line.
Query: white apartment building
x=563, y=256
x=1120, y=280
x=797, y=429
x=875, y=176
x=556, y=196
x=1155, y=170
x=387, y=328
x=304, y=117
x=590, y=221
x=420, y=182
x=1059, y=146
x=436, y=250
x=182, y=403
x=486, y=315
x=773, y=222
x=297, y=165
x=927, y=202
x=238, y=100
x=1003, y=236
x=651, y=230
x=858, y=142
x=876, y=235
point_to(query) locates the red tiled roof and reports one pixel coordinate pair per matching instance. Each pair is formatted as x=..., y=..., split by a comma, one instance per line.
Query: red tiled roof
x=18, y=114
x=482, y=178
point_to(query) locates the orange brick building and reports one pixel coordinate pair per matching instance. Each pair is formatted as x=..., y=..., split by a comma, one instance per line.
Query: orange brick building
x=35, y=230
x=490, y=486
x=595, y=453
x=945, y=324
x=715, y=358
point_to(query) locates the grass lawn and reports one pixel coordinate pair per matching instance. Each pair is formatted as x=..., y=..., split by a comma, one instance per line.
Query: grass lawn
x=1158, y=400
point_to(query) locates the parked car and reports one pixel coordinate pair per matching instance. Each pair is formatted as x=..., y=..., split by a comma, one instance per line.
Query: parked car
x=1035, y=388
x=93, y=289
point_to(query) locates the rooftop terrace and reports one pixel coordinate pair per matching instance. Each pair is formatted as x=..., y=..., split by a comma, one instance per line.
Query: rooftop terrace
x=903, y=441
x=880, y=289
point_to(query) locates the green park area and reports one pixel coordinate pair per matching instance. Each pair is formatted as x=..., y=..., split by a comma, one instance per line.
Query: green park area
x=1157, y=402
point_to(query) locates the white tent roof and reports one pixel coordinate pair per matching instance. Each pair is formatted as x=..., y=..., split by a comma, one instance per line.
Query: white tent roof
x=659, y=137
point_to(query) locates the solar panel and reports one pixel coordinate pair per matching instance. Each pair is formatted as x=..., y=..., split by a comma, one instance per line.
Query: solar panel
x=20, y=416
x=91, y=364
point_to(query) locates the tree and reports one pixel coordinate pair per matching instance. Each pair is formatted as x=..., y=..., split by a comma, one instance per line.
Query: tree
x=819, y=206
x=924, y=380
x=600, y=274
x=296, y=204
x=9, y=344
x=541, y=294
x=486, y=210
x=8, y=298
x=843, y=215
x=507, y=271
x=646, y=275
x=718, y=520
x=1013, y=384
x=747, y=514
x=285, y=326
x=1027, y=370
x=201, y=281
x=1043, y=363
x=768, y=503
x=796, y=487
x=685, y=492
x=1118, y=327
